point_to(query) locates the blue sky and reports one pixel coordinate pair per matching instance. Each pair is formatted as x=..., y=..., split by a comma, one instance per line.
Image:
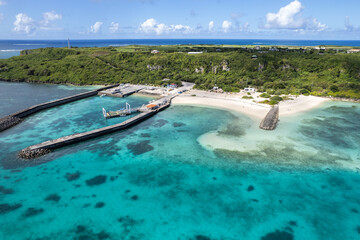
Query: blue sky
x=238, y=19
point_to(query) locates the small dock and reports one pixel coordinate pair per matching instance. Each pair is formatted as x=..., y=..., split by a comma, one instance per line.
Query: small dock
x=122, y=112
x=121, y=91
x=46, y=147
x=271, y=119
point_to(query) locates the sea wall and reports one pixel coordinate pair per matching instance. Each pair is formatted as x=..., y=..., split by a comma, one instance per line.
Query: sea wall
x=13, y=119
x=45, y=147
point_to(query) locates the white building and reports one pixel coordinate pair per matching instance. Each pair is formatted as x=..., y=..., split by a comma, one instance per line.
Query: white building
x=195, y=52
x=353, y=51
x=250, y=90
x=155, y=51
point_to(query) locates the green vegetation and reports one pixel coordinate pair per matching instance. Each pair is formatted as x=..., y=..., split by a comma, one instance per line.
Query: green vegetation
x=275, y=100
x=287, y=71
x=265, y=95
x=247, y=97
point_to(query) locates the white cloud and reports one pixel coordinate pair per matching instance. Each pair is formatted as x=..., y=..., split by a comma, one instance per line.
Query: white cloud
x=226, y=25
x=2, y=3
x=287, y=17
x=315, y=25
x=211, y=26
x=349, y=26
x=290, y=17
x=96, y=27
x=246, y=27
x=152, y=26
x=24, y=24
x=114, y=27
x=49, y=17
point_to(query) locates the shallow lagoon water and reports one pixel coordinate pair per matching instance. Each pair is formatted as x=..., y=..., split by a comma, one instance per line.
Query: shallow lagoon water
x=159, y=180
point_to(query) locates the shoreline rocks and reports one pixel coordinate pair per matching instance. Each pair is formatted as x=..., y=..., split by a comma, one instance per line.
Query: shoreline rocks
x=30, y=154
x=8, y=122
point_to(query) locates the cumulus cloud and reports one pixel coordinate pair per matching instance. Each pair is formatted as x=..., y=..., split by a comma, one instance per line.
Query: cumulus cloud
x=315, y=25
x=96, y=27
x=349, y=27
x=152, y=26
x=287, y=17
x=290, y=17
x=211, y=26
x=246, y=27
x=24, y=24
x=114, y=27
x=48, y=17
x=226, y=25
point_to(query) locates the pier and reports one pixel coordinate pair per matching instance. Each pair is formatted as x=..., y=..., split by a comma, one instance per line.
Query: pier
x=121, y=91
x=46, y=147
x=271, y=119
x=14, y=119
x=123, y=112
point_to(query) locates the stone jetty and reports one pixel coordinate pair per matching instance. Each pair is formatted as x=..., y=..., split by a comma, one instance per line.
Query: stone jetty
x=8, y=122
x=45, y=147
x=271, y=119
x=14, y=119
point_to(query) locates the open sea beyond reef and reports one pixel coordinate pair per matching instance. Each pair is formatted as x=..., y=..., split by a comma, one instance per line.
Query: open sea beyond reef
x=187, y=173
x=10, y=48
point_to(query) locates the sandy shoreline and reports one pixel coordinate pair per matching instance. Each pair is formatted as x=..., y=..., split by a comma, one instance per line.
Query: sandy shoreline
x=234, y=102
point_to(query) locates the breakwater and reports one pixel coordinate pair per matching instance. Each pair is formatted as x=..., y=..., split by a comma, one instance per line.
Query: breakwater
x=45, y=147
x=13, y=119
x=271, y=119
x=8, y=122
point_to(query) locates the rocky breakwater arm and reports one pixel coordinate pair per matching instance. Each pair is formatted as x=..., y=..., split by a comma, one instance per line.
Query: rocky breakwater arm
x=13, y=119
x=271, y=119
x=8, y=122
x=46, y=147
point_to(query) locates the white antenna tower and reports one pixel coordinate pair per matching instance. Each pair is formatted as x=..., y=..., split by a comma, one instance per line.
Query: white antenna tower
x=69, y=44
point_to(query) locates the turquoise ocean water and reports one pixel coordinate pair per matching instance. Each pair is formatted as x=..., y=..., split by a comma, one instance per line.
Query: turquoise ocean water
x=187, y=173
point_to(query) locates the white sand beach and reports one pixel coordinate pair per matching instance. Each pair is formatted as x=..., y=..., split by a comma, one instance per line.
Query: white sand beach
x=300, y=104
x=251, y=107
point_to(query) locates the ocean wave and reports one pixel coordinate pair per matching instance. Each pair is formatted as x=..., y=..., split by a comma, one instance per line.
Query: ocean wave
x=29, y=44
x=118, y=45
x=10, y=50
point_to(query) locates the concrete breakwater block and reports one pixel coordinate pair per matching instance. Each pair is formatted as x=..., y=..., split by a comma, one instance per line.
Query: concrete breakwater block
x=30, y=154
x=8, y=122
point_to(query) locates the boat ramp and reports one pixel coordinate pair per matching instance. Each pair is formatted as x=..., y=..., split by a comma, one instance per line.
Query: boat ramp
x=123, y=90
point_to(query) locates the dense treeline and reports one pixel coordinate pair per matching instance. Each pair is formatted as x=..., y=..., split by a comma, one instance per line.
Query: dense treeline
x=277, y=72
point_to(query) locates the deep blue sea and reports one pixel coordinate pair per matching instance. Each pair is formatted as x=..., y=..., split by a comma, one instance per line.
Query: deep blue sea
x=189, y=172
x=9, y=48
